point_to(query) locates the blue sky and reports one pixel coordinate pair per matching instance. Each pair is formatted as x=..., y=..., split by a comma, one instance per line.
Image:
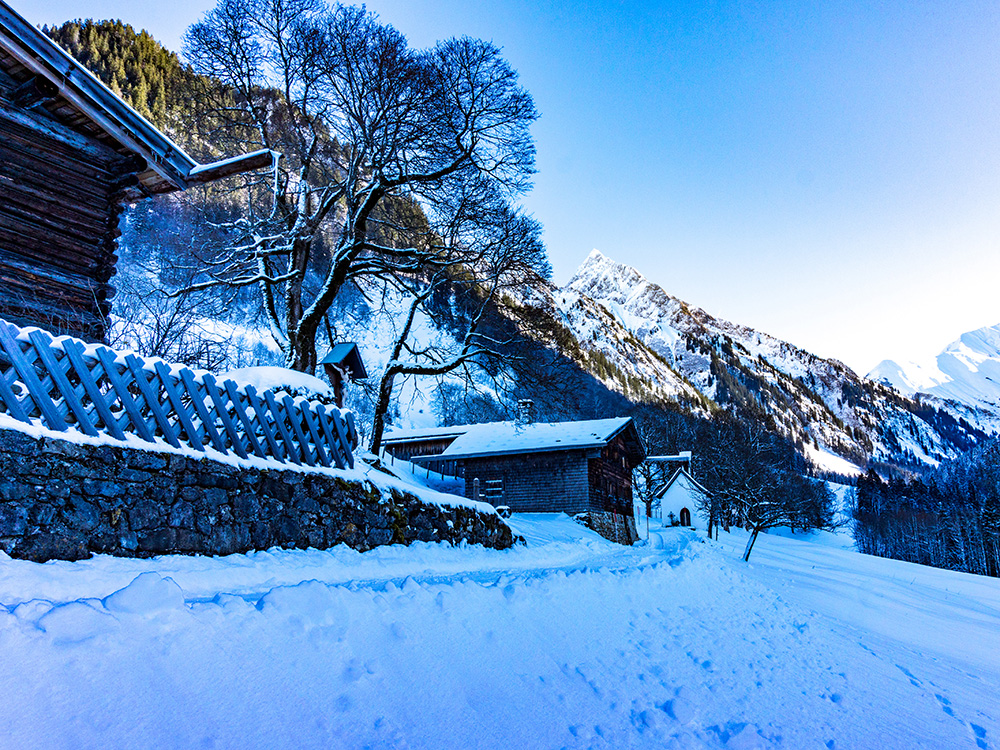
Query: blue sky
x=828, y=172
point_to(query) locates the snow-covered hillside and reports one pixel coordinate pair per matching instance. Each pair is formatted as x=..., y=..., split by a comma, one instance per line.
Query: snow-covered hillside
x=650, y=343
x=967, y=370
x=570, y=641
x=608, y=349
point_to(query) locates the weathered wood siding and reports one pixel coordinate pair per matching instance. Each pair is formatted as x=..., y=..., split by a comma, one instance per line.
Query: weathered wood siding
x=610, y=478
x=550, y=482
x=59, y=207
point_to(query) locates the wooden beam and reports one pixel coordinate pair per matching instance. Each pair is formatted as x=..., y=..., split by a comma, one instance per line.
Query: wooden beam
x=61, y=139
x=37, y=273
x=263, y=159
x=33, y=92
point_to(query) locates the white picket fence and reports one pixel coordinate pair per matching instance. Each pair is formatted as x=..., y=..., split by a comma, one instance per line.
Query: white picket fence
x=65, y=384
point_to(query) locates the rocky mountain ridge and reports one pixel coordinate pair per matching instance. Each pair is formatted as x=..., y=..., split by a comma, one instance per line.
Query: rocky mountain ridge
x=650, y=346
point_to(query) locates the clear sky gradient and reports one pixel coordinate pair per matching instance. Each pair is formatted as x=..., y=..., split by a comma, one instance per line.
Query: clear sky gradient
x=827, y=172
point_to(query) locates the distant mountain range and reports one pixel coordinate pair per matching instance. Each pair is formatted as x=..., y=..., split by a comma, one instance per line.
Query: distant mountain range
x=967, y=370
x=649, y=346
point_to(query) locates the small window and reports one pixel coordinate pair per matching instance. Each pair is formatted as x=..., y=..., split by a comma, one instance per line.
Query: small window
x=493, y=491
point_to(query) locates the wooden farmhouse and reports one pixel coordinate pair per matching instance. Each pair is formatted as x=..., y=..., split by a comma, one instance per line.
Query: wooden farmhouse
x=72, y=153
x=569, y=467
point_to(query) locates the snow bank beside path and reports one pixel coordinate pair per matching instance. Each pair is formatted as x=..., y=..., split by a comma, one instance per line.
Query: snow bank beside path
x=569, y=642
x=555, y=541
x=944, y=613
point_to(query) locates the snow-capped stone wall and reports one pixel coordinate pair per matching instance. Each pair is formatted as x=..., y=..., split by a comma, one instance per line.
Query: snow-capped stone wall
x=60, y=500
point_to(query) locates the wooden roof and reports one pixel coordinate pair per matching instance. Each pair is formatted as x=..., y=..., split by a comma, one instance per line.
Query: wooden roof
x=77, y=99
x=514, y=438
x=346, y=356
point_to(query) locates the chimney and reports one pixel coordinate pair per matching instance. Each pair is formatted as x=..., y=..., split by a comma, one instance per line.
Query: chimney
x=525, y=411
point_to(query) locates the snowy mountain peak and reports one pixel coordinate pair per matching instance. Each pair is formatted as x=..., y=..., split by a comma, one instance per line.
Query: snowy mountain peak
x=819, y=403
x=967, y=370
x=610, y=276
x=659, y=319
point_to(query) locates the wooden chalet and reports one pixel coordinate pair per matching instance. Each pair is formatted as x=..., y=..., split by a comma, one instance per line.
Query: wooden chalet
x=569, y=467
x=72, y=153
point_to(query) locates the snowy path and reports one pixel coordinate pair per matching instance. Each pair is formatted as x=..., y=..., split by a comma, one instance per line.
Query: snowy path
x=570, y=642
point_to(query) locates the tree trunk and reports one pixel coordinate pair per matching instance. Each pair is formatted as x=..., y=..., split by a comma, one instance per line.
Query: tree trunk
x=381, y=408
x=303, y=348
x=750, y=542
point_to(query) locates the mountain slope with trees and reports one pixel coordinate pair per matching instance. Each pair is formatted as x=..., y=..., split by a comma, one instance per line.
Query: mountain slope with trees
x=135, y=66
x=948, y=519
x=817, y=403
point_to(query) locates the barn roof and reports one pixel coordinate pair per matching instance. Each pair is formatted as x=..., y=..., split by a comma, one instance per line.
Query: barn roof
x=508, y=438
x=76, y=98
x=424, y=434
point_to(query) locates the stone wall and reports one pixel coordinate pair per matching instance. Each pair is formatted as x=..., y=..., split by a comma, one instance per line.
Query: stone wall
x=59, y=500
x=616, y=527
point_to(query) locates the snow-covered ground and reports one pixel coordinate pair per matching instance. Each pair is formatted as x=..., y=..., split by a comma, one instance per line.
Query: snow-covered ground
x=570, y=641
x=827, y=461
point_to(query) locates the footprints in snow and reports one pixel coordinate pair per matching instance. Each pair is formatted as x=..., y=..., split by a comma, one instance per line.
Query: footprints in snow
x=913, y=680
x=980, y=735
x=705, y=664
x=978, y=732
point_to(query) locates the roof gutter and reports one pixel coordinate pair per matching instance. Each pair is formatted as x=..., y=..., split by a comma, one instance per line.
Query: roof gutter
x=85, y=91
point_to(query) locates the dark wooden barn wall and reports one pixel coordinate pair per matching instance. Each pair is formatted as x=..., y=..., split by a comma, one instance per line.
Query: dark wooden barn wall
x=610, y=478
x=59, y=213
x=550, y=482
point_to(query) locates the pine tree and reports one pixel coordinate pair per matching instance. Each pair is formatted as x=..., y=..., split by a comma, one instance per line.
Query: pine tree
x=137, y=67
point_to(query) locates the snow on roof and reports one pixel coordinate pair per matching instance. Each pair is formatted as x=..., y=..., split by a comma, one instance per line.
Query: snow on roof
x=497, y=438
x=685, y=478
x=417, y=434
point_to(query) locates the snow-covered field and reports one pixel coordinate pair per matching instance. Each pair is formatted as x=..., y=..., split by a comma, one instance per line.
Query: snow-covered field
x=570, y=641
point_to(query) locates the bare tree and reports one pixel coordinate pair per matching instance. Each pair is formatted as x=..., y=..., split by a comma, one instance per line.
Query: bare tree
x=489, y=247
x=746, y=481
x=651, y=477
x=366, y=125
